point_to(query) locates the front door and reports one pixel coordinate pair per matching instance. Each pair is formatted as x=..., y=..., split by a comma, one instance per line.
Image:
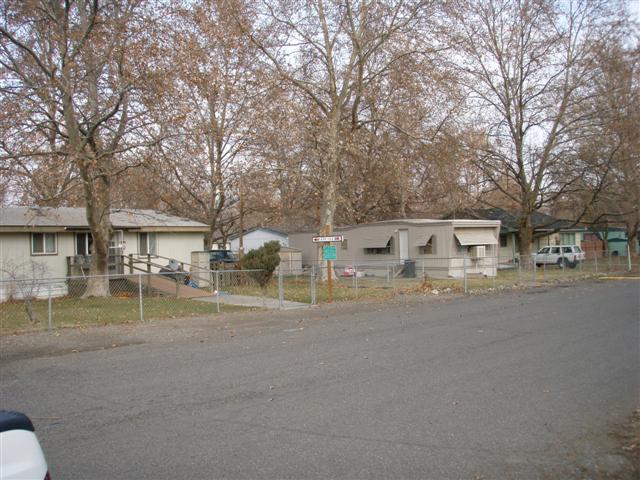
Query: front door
x=403, y=243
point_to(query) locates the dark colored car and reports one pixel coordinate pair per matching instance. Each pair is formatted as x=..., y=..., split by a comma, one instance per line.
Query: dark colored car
x=221, y=256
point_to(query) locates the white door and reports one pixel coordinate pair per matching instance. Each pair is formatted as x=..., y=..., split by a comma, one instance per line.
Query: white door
x=403, y=241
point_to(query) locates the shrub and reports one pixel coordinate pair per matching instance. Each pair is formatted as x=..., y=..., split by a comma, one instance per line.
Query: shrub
x=265, y=259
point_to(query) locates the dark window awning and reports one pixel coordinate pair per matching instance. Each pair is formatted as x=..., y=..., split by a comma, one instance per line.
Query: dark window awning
x=475, y=236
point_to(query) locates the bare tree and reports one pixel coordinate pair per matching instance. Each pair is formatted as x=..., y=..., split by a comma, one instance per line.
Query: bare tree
x=206, y=110
x=70, y=66
x=330, y=51
x=24, y=283
x=610, y=146
x=526, y=65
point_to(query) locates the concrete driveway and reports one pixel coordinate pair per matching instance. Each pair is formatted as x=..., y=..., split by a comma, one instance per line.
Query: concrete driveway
x=532, y=384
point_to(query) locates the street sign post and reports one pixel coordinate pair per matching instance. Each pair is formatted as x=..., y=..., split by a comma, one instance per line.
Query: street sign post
x=329, y=253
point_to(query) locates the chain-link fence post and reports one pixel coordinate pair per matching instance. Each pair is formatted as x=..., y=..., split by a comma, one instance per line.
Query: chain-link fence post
x=355, y=276
x=393, y=277
x=533, y=266
x=495, y=271
x=388, y=276
x=628, y=257
x=280, y=289
x=140, y=300
x=217, y=291
x=595, y=257
x=519, y=270
x=49, y=318
x=609, y=262
x=464, y=273
x=313, y=285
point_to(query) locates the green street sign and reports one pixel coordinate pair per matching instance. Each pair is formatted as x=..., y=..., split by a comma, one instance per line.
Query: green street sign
x=329, y=252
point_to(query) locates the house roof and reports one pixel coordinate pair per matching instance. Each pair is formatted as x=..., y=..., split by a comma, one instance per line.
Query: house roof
x=509, y=222
x=460, y=222
x=255, y=229
x=68, y=218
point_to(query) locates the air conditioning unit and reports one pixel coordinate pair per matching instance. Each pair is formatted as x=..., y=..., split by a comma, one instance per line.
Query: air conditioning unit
x=478, y=251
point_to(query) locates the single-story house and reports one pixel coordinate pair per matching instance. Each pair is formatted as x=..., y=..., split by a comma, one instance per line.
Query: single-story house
x=549, y=230
x=256, y=237
x=612, y=240
x=436, y=247
x=59, y=242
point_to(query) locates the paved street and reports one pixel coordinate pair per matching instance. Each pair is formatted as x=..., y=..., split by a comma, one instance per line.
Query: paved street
x=525, y=384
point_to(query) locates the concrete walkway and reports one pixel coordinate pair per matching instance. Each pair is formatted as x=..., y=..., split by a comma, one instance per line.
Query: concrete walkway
x=256, y=302
x=168, y=285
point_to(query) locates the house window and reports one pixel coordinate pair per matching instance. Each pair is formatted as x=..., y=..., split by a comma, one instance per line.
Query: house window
x=84, y=244
x=380, y=250
x=148, y=243
x=568, y=238
x=117, y=239
x=430, y=247
x=503, y=240
x=44, y=244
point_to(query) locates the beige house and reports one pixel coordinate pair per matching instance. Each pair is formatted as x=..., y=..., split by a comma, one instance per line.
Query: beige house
x=436, y=247
x=56, y=242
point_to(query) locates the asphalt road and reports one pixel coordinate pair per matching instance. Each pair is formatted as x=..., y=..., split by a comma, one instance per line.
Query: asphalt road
x=530, y=384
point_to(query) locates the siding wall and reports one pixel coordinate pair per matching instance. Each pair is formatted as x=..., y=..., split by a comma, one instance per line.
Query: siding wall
x=15, y=255
x=256, y=239
x=15, y=251
x=437, y=264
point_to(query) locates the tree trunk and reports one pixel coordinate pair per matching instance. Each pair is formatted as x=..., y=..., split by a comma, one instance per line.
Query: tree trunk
x=330, y=174
x=98, y=204
x=525, y=232
x=632, y=238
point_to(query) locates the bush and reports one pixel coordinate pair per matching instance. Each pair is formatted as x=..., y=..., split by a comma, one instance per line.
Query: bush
x=265, y=259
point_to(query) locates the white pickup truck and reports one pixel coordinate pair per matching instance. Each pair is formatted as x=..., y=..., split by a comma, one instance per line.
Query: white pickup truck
x=21, y=457
x=561, y=255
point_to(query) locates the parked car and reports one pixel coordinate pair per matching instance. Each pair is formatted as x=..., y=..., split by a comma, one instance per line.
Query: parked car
x=349, y=271
x=219, y=258
x=21, y=456
x=561, y=255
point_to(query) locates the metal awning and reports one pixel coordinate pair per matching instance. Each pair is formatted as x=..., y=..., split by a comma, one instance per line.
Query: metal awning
x=475, y=236
x=377, y=241
x=422, y=239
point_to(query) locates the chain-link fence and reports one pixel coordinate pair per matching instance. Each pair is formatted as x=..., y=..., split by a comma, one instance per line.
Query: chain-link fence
x=57, y=302
x=27, y=304
x=437, y=275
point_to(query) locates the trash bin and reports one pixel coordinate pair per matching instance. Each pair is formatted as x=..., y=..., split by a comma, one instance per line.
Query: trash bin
x=409, y=269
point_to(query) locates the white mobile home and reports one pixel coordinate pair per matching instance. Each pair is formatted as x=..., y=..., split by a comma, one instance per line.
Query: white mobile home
x=256, y=237
x=436, y=247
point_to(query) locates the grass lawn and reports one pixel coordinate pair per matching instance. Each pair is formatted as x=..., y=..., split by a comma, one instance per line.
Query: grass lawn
x=100, y=311
x=299, y=289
